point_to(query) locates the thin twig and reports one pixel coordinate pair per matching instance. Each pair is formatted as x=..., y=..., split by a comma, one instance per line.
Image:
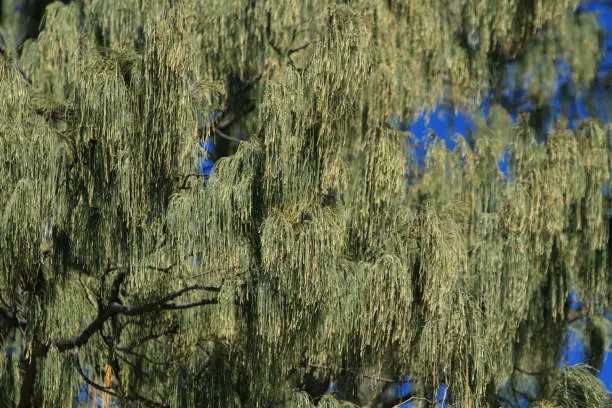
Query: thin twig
x=92, y=383
x=362, y=375
x=161, y=269
x=534, y=374
x=154, y=336
x=207, y=273
x=156, y=305
x=127, y=350
x=296, y=49
x=116, y=308
x=173, y=306
x=135, y=398
x=186, y=178
x=413, y=399
x=228, y=137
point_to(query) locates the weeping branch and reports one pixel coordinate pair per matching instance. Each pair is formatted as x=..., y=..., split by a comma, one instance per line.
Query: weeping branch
x=5, y=54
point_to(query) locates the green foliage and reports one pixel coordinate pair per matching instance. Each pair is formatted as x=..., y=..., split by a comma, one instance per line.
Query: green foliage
x=578, y=388
x=315, y=251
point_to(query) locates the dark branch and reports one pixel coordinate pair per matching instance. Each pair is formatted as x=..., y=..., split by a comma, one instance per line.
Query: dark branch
x=228, y=137
x=28, y=380
x=186, y=178
x=117, y=282
x=115, y=308
x=171, y=306
x=362, y=375
x=275, y=48
x=92, y=383
x=131, y=352
x=138, y=369
x=83, y=338
x=161, y=269
x=300, y=48
x=574, y=315
x=531, y=373
x=10, y=318
x=157, y=306
x=139, y=322
x=233, y=268
x=228, y=119
x=154, y=336
x=136, y=398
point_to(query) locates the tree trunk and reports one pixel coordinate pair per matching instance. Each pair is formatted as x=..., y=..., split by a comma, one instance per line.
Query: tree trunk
x=27, y=386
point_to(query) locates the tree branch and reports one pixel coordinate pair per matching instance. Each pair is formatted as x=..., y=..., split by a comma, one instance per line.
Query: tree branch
x=296, y=49
x=413, y=399
x=131, y=352
x=161, y=269
x=116, y=287
x=228, y=137
x=172, y=306
x=157, y=306
x=83, y=338
x=363, y=375
x=10, y=318
x=136, y=398
x=233, y=268
x=153, y=336
x=116, y=308
x=28, y=380
x=186, y=177
x=574, y=315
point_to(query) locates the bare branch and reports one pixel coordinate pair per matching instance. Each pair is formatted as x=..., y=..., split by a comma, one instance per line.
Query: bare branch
x=413, y=399
x=116, y=308
x=228, y=137
x=117, y=282
x=172, y=306
x=136, y=398
x=157, y=306
x=296, y=49
x=575, y=315
x=131, y=352
x=161, y=269
x=228, y=119
x=92, y=383
x=362, y=375
x=233, y=268
x=138, y=322
x=153, y=336
x=186, y=178
x=83, y=338
x=10, y=318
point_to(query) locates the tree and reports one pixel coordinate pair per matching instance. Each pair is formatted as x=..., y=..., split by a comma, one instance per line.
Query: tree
x=316, y=260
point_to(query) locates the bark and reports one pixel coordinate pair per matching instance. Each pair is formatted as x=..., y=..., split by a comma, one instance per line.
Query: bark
x=26, y=397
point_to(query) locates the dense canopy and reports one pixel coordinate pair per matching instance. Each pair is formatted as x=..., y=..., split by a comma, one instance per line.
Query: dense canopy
x=307, y=256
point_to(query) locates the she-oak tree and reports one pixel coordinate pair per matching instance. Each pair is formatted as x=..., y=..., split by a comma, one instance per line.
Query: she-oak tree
x=307, y=256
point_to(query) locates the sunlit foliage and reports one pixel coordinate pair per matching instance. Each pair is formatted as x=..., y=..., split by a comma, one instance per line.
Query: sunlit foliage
x=316, y=255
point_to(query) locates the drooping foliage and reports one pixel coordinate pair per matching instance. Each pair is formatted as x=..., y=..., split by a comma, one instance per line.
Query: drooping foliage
x=307, y=255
